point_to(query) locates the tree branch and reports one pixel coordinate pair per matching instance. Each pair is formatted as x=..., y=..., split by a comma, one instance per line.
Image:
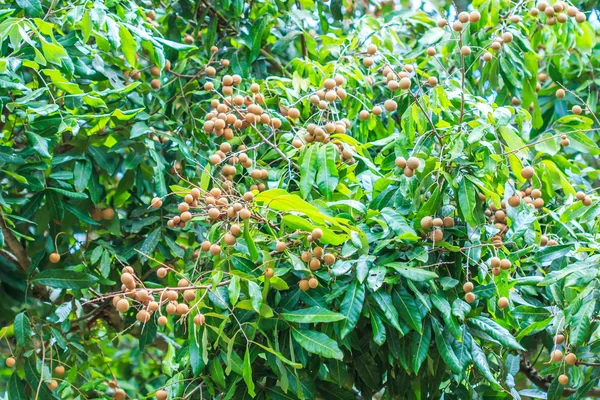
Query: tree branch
x=544, y=382
x=14, y=246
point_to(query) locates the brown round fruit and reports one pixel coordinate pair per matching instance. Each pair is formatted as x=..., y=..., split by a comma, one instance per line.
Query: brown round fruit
x=52, y=385
x=10, y=362
x=313, y=283
x=559, y=339
x=280, y=246
x=563, y=379
x=502, y=302
x=426, y=222
x=54, y=258
x=303, y=284
x=470, y=297
x=505, y=263
x=527, y=172
x=571, y=359
x=59, y=370
x=161, y=395
x=468, y=287
x=556, y=356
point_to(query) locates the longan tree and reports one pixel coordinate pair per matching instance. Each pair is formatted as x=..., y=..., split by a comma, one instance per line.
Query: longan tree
x=299, y=200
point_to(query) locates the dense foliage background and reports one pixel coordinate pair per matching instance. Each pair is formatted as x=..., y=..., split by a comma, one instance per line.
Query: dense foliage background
x=331, y=200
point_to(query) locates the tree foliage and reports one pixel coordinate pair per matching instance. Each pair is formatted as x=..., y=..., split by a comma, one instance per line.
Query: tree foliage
x=283, y=200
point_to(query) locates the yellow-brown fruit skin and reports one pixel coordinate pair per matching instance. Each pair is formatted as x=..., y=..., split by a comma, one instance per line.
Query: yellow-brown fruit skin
x=563, y=379
x=571, y=359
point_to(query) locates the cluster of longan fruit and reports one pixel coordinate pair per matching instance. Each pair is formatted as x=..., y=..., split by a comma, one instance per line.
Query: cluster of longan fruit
x=584, y=199
x=155, y=72
x=408, y=166
x=332, y=90
x=345, y=154
x=461, y=19
x=99, y=214
x=558, y=12
x=498, y=218
x=436, y=223
x=147, y=302
x=229, y=114
x=316, y=133
x=52, y=384
x=498, y=264
x=557, y=356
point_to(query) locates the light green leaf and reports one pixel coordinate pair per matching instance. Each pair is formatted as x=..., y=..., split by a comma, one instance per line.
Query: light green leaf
x=317, y=343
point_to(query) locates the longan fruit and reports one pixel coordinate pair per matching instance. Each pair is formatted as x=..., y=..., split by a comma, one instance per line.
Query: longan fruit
x=153, y=305
x=162, y=320
x=463, y=17
x=580, y=17
x=135, y=74
x=10, y=362
x=248, y=196
x=431, y=51
x=213, y=213
x=505, y=263
x=556, y=355
x=390, y=105
x=186, y=216
x=405, y=83
x=54, y=258
x=127, y=279
x=181, y=309
x=496, y=45
x=59, y=370
x=559, y=339
x=189, y=295
x=487, y=57
x=438, y=222
x=514, y=200
x=313, y=283
x=306, y=256
x=515, y=19
x=171, y=308
x=245, y=214
x=576, y=110
x=413, y=163
x=432, y=81
x=364, y=115
x=314, y=264
x=571, y=359
x=560, y=94
x=563, y=379
x=538, y=203
x=502, y=302
x=496, y=271
x=183, y=206
x=215, y=249
x=408, y=172
x=527, y=172
x=495, y=262
x=154, y=71
x=457, y=26
x=426, y=222
x=303, y=284
x=536, y=193
x=329, y=259
x=108, y=214
x=229, y=239
x=465, y=51
x=318, y=252
x=448, y=222
x=317, y=233
x=293, y=113
x=161, y=395
x=280, y=246
x=205, y=246
x=372, y=49
x=562, y=18
x=155, y=83
x=156, y=202
x=468, y=287
x=119, y=394
x=534, y=11
x=393, y=85
x=199, y=319
x=53, y=385
x=400, y=162
x=470, y=297
x=587, y=201
x=572, y=11
x=368, y=61
x=141, y=295
x=442, y=23
x=437, y=235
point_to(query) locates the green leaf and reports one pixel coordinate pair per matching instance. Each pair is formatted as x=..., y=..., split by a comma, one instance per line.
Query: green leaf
x=81, y=175
x=150, y=243
x=351, y=307
x=317, y=343
x=33, y=8
x=22, y=329
x=55, y=205
x=327, y=175
x=312, y=315
x=33, y=378
x=128, y=45
x=414, y=274
x=481, y=362
x=308, y=169
x=16, y=389
x=69, y=194
x=467, y=202
x=407, y=308
x=250, y=241
x=38, y=143
x=420, y=346
x=255, y=295
x=445, y=349
x=581, y=322
x=64, y=279
x=496, y=331
x=384, y=301
x=247, y=375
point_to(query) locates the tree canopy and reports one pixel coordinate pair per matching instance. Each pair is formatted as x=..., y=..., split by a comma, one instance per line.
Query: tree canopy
x=299, y=200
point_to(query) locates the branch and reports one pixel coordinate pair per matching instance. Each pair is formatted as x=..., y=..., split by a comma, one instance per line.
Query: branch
x=544, y=383
x=13, y=244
